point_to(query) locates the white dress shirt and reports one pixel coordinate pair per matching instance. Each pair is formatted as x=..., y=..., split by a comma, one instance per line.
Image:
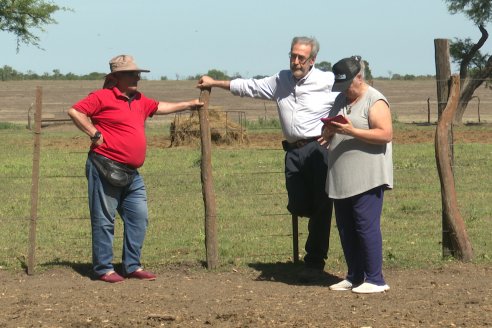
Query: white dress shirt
x=300, y=103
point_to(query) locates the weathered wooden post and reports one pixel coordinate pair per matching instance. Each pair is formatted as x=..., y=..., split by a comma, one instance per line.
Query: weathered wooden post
x=35, y=182
x=295, y=238
x=478, y=108
x=428, y=111
x=443, y=74
x=207, y=182
x=461, y=247
x=29, y=124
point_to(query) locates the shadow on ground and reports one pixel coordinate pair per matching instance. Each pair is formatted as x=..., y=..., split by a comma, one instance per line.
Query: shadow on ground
x=84, y=269
x=292, y=274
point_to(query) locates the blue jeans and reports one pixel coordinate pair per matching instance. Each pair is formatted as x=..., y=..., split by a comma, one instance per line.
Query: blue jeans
x=131, y=204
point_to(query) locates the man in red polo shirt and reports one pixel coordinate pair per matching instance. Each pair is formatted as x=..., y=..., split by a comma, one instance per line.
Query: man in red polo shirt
x=114, y=119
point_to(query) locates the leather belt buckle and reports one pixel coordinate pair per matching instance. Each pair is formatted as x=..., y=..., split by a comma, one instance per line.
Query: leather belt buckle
x=302, y=142
x=296, y=144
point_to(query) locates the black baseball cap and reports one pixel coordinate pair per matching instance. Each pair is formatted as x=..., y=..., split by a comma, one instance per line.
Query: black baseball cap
x=345, y=71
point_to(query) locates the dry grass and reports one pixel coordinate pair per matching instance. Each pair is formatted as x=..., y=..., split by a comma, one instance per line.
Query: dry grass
x=185, y=131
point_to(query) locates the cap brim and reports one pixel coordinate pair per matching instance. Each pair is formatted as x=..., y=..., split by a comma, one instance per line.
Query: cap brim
x=129, y=70
x=341, y=86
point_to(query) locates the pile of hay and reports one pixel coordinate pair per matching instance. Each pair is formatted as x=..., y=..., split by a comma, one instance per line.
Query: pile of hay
x=185, y=130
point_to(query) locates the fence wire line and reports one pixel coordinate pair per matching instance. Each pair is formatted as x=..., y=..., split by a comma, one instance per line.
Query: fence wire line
x=147, y=175
x=151, y=236
x=41, y=218
x=220, y=216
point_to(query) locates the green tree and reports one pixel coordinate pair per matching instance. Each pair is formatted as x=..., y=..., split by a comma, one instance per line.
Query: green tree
x=8, y=73
x=57, y=75
x=475, y=67
x=396, y=76
x=367, y=71
x=93, y=76
x=324, y=66
x=20, y=17
x=218, y=75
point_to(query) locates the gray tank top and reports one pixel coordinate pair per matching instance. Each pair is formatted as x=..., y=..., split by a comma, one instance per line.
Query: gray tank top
x=355, y=166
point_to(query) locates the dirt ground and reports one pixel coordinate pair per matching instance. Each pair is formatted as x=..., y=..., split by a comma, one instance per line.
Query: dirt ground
x=263, y=295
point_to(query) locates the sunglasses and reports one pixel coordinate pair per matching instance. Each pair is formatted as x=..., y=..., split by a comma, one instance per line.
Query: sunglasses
x=130, y=74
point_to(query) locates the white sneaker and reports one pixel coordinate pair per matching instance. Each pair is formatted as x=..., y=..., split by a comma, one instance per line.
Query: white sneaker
x=368, y=288
x=342, y=285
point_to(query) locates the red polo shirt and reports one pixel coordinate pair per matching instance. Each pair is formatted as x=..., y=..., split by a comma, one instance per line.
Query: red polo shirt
x=121, y=122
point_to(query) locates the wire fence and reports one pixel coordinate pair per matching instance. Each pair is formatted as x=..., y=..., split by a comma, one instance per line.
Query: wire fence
x=251, y=197
x=411, y=101
x=63, y=218
x=251, y=202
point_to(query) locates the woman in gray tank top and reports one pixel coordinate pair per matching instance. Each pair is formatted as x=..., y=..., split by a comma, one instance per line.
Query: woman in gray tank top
x=360, y=169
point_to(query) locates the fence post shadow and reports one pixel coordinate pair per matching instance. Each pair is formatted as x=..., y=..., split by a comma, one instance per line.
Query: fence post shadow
x=83, y=269
x=289, y=273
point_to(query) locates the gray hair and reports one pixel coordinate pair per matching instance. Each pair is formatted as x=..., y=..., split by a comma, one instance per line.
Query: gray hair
x=309, y=41
x=362, y=69
x=362, y=65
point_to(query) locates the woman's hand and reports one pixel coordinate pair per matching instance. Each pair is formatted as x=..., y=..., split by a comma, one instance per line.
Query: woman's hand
x=343, y=128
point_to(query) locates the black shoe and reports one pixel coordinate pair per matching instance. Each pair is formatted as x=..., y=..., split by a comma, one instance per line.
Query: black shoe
x=320, y=266
x=308, y=274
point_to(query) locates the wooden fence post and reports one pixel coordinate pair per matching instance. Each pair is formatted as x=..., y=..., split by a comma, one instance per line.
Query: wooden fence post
x=207, y=182
x=35, y=182
x=460, y=245
x=428, y=111
x=295, y=238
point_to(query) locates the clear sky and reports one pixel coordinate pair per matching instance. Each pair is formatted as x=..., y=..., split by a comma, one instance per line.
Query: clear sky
x=188, y=37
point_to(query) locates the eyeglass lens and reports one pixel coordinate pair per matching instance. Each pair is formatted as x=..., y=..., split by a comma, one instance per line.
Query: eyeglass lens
x=301, y=59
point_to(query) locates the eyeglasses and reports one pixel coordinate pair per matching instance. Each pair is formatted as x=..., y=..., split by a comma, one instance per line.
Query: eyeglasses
x=302, y=60
x=130, y=73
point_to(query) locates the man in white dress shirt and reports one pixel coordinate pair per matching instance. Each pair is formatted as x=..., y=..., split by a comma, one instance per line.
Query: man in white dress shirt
x=303, y=96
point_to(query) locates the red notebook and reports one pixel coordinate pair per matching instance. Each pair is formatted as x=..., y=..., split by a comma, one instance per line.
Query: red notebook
x=338, y=118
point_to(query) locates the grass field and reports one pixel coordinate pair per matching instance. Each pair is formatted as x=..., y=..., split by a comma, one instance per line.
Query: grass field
x=253, y=223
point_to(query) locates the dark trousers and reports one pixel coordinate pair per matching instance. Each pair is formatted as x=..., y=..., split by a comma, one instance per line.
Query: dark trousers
x=305, y=175
x=359, y=224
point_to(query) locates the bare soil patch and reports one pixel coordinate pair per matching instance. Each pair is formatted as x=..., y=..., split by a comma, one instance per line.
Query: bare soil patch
x=264, y=295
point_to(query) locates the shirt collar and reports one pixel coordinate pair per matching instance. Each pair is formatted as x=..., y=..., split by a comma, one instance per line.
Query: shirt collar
x=119, y=94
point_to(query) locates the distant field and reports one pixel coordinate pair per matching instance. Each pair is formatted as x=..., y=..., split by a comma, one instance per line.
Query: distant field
x=408, y=99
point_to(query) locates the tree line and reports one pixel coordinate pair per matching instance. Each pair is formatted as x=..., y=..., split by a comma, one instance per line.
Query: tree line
x=7, y=73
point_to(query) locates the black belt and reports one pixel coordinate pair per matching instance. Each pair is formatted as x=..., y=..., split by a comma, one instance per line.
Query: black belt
x=297, y=144
x=109, y=160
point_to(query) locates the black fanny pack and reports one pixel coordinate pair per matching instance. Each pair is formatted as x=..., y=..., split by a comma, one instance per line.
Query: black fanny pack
x=117, y=174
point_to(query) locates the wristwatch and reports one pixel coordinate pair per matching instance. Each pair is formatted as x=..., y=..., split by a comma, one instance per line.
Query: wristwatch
x=96, y=136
